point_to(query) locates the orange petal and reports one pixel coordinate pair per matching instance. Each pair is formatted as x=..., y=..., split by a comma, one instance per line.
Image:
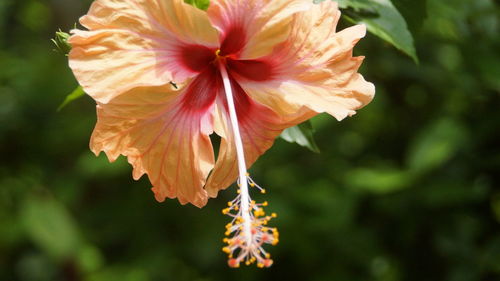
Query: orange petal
x=314, y=67
x=165, y=134
x=252, y=28
x=290, y=96
x=136, y=43
x=259, y=127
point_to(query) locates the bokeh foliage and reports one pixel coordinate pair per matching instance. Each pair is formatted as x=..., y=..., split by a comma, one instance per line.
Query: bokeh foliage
x=407, y=189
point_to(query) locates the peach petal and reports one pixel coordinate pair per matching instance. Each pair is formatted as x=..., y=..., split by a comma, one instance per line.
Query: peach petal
x=136, y=43
x=160, y=138
x=252, y=28
x=315, y=68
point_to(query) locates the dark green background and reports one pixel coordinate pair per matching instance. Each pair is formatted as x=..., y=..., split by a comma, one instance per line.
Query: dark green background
x=408, y=189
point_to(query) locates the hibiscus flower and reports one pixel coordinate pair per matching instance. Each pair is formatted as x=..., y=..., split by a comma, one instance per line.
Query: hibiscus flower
x=166, y=75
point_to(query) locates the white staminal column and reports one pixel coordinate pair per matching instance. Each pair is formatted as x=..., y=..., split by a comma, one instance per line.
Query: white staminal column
x=242, y=169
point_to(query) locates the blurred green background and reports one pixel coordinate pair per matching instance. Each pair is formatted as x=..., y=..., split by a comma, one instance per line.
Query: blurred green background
x=408, y=189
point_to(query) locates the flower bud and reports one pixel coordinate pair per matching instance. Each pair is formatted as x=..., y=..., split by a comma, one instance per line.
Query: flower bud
x=61, y=42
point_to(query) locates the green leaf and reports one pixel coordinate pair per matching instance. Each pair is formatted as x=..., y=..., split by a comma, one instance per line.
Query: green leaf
x=379, y=180
x=302, y=135
x=51, y=227
x=388, y=24
x=200, y=4
x=435, y=145
x=76, y=94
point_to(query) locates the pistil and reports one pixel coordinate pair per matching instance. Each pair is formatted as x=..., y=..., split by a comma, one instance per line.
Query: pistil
x=248, y=227
x=242, y=168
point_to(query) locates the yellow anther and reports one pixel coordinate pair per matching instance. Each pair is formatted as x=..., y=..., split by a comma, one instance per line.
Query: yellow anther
x=275, y=242
x=265, y=229
x=268, y=255
x=247, y=262
x=263, y=191
x=259, y=212
x=225, y=240
x=264, y=203
x=274, y=215
x=217, y=53
x=260, y=265
x=252, y=184
x=230, y=204
x=247, y=174
x=226, y=250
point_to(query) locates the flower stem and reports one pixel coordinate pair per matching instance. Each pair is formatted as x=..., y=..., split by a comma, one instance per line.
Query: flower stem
x=242, y=169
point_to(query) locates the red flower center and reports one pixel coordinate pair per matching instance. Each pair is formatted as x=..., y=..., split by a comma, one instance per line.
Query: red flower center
x=207, y=85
